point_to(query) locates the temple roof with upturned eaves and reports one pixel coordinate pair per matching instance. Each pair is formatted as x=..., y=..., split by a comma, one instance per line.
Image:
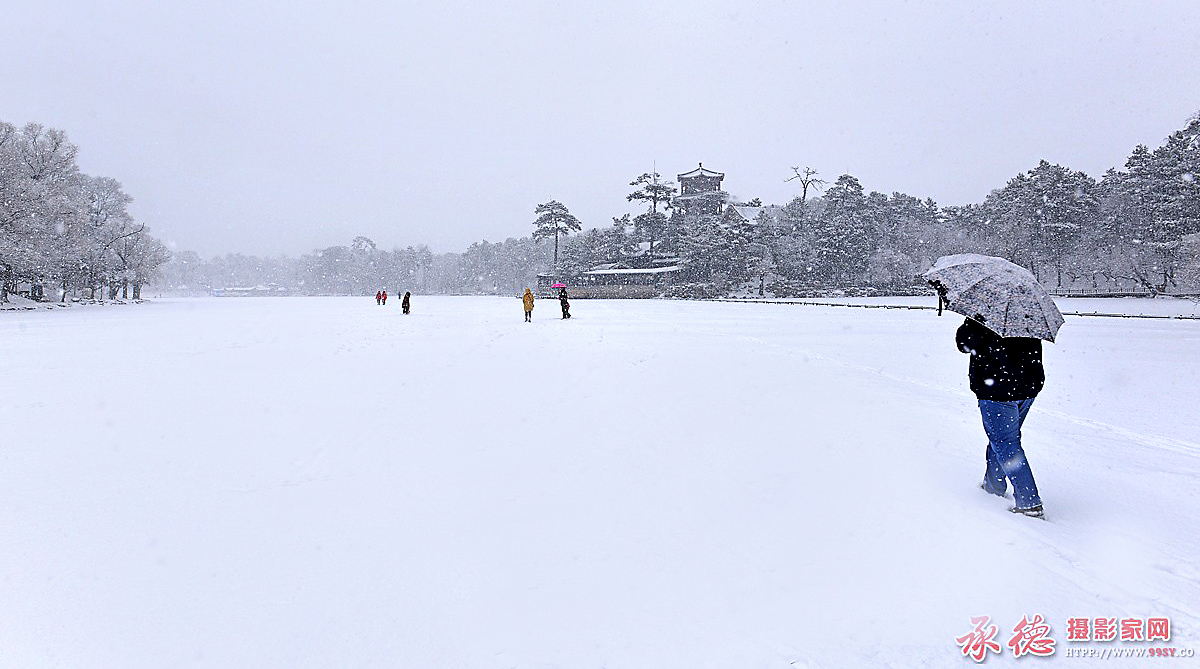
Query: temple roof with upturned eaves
x=700, y=172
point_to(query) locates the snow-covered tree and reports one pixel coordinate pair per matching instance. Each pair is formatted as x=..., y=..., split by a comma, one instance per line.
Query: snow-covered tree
x=57, y=224
x=1152, y=205
x=1039, y=216
x=554, y=220
x=615, y=241
x=842, y=236
x=651, y=226
x=141, y=255
x=653, y=190
x=113, y=230
x=705, y=249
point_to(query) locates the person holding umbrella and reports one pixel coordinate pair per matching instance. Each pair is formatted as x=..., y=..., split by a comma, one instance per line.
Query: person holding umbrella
x=1008, y=314
x=562, y=299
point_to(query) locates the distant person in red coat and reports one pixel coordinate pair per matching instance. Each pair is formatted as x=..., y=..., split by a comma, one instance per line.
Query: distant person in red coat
x=378, y=297
x=385, y=298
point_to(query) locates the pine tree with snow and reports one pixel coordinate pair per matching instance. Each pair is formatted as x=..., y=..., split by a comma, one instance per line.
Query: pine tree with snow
x=1152, y=205
x=651, y=188
x=705, y=250
x=554, y=220
x=842, y=234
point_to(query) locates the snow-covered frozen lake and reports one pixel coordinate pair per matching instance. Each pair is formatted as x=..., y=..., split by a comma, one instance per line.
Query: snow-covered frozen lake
x=324, y=482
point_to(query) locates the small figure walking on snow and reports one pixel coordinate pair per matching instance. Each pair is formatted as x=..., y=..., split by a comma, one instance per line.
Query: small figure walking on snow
x=406, y=302
x=562, y=300
x=385, y=297
x=378, y=297
x=527, y=298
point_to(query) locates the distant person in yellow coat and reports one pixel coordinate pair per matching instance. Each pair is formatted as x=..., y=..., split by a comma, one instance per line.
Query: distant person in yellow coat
x=527, y=298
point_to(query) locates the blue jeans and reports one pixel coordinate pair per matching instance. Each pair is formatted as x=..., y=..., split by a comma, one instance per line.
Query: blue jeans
x=1005, y=458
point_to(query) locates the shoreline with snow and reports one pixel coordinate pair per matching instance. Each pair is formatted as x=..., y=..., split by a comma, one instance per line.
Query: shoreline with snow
x=1165, y=306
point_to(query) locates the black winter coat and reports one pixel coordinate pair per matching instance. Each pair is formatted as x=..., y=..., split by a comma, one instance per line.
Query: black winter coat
x=1002, y=368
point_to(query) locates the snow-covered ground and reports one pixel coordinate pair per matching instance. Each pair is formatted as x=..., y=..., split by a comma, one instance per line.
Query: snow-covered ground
x=324, y=482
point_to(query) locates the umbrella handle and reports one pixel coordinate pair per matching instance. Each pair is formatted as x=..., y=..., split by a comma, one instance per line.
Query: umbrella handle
x=939, y=304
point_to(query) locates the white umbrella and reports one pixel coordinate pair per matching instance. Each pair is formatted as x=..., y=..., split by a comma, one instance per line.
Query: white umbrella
x=1003, y=297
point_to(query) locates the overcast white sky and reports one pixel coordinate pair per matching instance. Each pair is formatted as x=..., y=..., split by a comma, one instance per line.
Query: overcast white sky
x=280, y=127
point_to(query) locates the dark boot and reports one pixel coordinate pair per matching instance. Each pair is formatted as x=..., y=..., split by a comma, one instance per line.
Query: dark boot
x=1032, y=512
